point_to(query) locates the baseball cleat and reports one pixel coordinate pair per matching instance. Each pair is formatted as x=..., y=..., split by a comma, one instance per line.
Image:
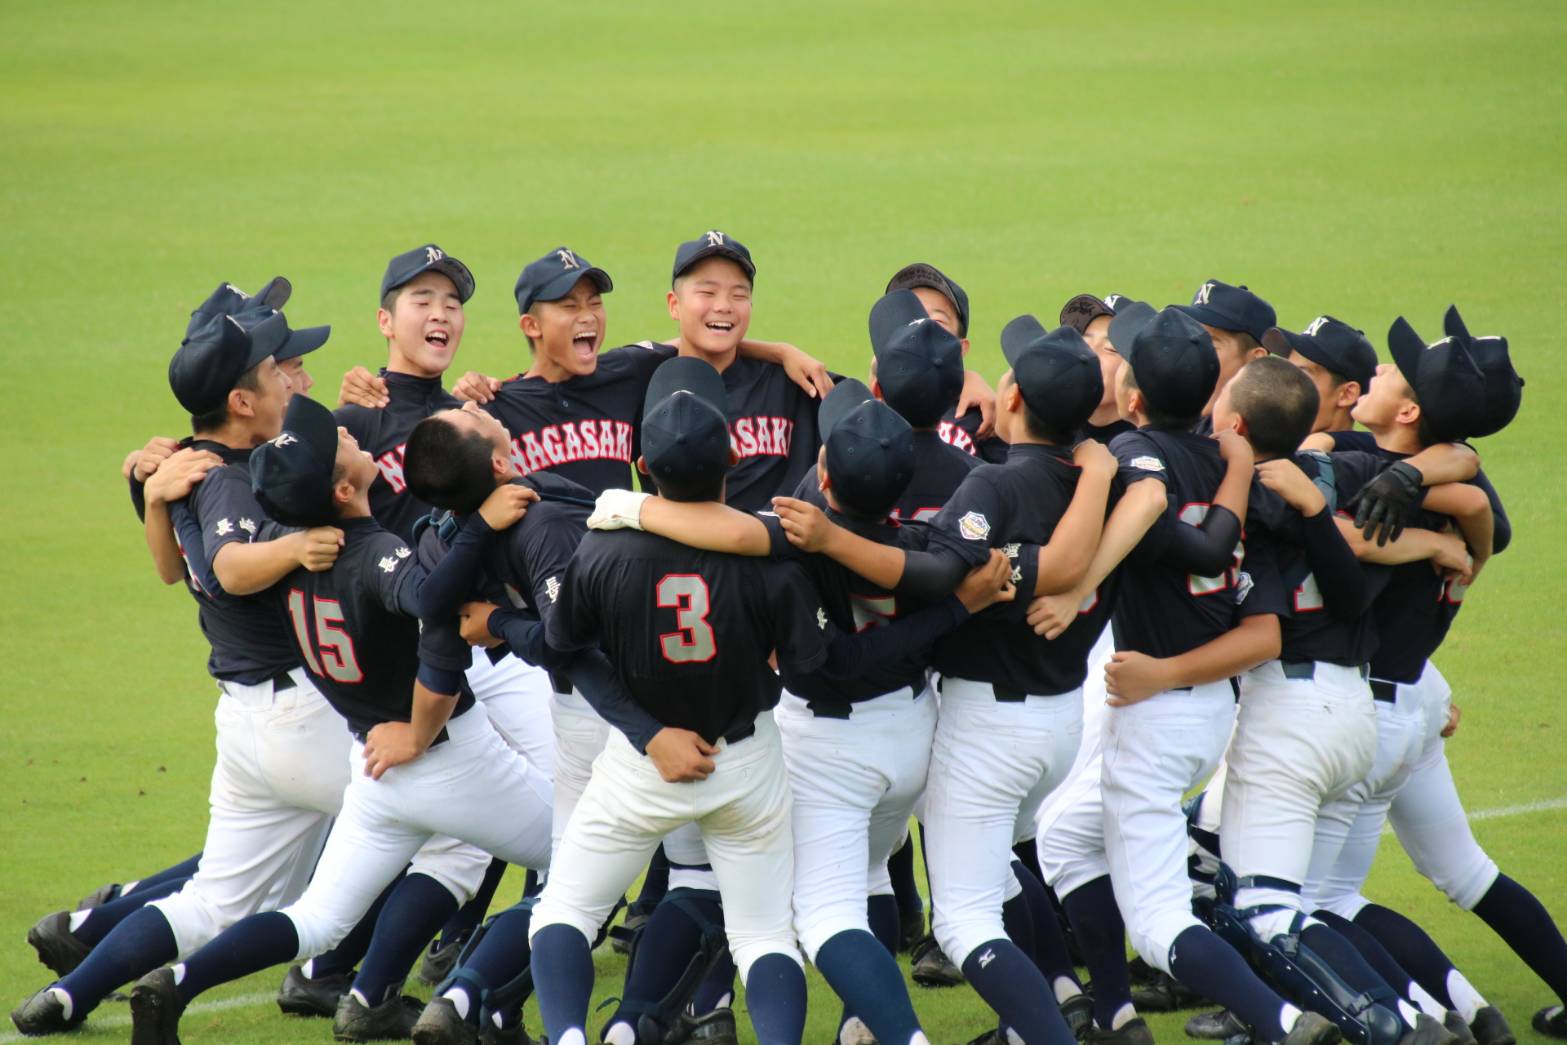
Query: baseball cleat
x=43, y=1013
x=710, y=1028
x=1078, y=1011
x=392, y=1020
x=57, y=949
x=1428, y=1031
x=1215, y=1026
x=156, y=1007
x=516, y=1034
x=1550, y=1021
x=440, y=958
x=932, y=967
x=1489, y=1027
x=911, y=929
x=990, y=1037
x=99, y=896
x=1454, y=1022
x=300, y=995
x=1156, y=991
x=439, y=1024
x=1133, y=1032
x=1312, y=1029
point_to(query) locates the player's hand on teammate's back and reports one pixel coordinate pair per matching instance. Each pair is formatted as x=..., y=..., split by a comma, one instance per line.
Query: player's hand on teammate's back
x=617, y=510
x=1285, y=478
x=680, y=755
x=506, y=505
x=362, y=388
x=1387, y=502
x=178, y=474
x=977, y=393
x=1050, y=615
x=1452, y=559
x=319, y=547
x=806, y=526
x=1132, y=677
x=1094, y=457
x=1454, y=714
x=474, y=621
x=807, y=371
x=988, y=584
x=140, y=464
x=390, y=744
x=476, y=388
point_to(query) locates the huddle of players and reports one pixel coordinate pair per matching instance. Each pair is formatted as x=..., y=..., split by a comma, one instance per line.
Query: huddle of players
x=689, y=611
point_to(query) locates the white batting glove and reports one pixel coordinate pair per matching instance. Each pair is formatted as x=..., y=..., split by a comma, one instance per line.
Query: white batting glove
x=617, y=510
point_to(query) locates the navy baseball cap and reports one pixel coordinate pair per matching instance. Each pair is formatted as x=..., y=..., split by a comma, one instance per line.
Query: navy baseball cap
x=291, y=475
x=1085, y=308
x=713, y=244
x=1129, y=319
x=229, y=299
x=210, y=362
x=551, y=277
x=260, y=316
x=1445, y=379
x=870, y=449
x=1224, y=307
x=429, y=258
x=1055, y=370
x=685, y=431
x=1330, y=343
x=920, y=274
x=919, y=364
x=1173, y=359
x=1503, y=386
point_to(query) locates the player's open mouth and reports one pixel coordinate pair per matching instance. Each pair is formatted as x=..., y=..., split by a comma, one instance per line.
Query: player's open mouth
x=436, y=339
x=719, y=328
x=587, y=339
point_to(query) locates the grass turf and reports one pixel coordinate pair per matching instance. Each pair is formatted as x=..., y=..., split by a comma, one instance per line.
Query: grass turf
x=1363, y=160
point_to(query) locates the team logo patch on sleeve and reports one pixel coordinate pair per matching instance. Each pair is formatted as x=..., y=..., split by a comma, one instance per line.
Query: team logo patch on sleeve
x=974, y=527
x=1148, y=464
x=403, y=552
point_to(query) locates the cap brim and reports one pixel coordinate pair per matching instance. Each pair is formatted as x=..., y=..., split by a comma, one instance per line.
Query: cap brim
x=458, y=273
x=1083, y=310
x=1208, y=317
x=563, y=284
x=1406, y=347
x=313, y=424
x=1280, y=342
x=686, y=374
x=1128, y=322
x=276, y=293
x=847, y=395
x=719, y=251
x=1453, y=324
x=1017, y=335
x=894, y=311
x=301, y=341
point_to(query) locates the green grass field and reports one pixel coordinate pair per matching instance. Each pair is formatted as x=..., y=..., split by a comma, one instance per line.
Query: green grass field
x=1365, y=160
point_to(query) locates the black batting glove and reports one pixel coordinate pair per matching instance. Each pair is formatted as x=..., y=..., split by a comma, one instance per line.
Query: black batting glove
x=1388, y=501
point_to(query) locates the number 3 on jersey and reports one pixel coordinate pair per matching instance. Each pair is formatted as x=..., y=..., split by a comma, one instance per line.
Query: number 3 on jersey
x=335, y=645
x=686, y=594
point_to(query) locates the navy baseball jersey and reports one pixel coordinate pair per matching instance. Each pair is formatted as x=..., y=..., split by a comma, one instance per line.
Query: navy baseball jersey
x=939, y=468
x=356, y=626
x=383, y=434
x=772, y=427
x=1001, y=506
x=961, y=433
x=1105, y=433
x=1164, y=611
x=689, y=632
x=248, y=640
x=584, y=428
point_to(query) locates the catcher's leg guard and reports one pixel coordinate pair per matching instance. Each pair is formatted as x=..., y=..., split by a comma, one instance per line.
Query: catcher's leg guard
x=665, y=1019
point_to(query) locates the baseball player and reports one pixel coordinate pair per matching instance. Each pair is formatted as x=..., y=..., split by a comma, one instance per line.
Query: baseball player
x=1339, y=361
x=431, y=761
x=1179, y=638
x=1000, y=685
x=1235, y=319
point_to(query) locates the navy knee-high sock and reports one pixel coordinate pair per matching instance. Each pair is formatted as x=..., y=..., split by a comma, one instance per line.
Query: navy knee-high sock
x=1214, y=969
x=101, y=920
x=1525, y=925
x=1050, y=952
x=138, y=945
x=1017, y=920
x=925, y=859
x=900, y=868
x=655, y=883
x=249, y=945
x=340, y=960
x=413, y=914
x=775, y=997
x=867, y=978
x=532, y=885
x=562, y=979
x=184, y=869
x=1372, y=950
x=1344, y=959
x=885, y=920
x=1101, y=936
x=1010, y=984
x=470, y=914
x=1408, y=944
x=718, y=989
x=665, y=948
x=501, y=955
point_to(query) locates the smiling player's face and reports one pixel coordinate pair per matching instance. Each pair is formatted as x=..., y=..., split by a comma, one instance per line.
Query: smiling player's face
x=424, y=327
x=712, y=304
x=568, y=333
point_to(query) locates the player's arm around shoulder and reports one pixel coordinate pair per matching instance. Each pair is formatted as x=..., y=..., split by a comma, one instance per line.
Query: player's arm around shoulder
x=1065, y=559
x=247, y=568
x=176, y=477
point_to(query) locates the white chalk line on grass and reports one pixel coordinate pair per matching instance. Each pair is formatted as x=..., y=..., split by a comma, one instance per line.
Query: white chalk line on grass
x=246, y=1000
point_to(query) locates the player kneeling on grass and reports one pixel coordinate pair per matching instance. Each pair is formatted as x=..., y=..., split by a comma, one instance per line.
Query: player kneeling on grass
x=431, y=762
x=887, y=715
